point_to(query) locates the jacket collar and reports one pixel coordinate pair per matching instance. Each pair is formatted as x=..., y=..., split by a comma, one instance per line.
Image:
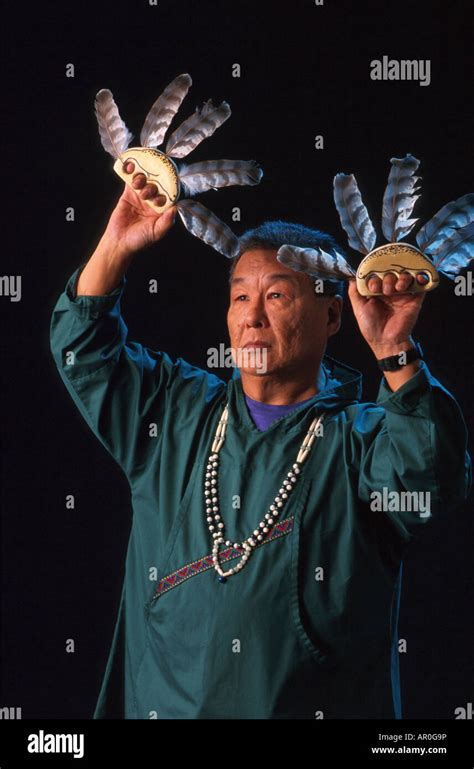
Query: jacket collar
x=339, y=385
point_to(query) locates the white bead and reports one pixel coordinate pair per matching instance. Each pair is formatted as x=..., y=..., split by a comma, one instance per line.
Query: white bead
x=266, y=529
x=280, y=504
x=256, y=532
x=270, y=521
x=284, y=495
x=220, y=525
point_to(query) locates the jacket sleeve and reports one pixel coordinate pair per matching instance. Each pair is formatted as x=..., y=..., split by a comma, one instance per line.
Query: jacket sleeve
x=121, y=388
x=412, y=440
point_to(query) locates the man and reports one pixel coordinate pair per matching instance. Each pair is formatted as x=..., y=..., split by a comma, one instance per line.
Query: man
x=294, y=613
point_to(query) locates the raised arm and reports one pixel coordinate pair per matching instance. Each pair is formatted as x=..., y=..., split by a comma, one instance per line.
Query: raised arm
x=132, y=226
x=119, y=386
x=415, y=444
x=409, y=453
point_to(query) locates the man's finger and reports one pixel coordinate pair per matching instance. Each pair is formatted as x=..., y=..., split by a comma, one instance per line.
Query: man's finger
x=374, y=284
x=139, y=181
x=149, y=191
x=167, y=217
x=388, y=285
x=404, y=282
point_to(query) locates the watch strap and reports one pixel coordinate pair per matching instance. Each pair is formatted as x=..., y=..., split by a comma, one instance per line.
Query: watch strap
x=403, y=358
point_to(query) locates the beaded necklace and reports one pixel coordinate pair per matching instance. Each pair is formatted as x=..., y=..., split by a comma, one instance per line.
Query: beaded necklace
x=213, y=516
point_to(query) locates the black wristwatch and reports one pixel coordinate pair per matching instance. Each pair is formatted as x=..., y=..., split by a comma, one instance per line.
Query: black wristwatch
x=396, y=362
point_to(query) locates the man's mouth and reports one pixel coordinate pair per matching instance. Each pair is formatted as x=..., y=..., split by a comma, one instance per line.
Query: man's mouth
x=257, y=343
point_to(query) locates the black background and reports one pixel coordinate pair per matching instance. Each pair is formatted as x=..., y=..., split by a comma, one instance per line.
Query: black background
x=304, y=71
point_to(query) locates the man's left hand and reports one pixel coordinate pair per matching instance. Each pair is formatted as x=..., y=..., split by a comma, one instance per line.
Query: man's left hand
x=386, y=322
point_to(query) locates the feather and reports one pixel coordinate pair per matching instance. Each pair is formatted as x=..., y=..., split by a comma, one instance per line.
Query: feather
x=455, y=253
x=163, y=111
x=197, y=127
x=399, y=198
x=205, y=225
x=454, y=215
x=114, y=134
x=213, y=174
x=315, y=261
x=353, y=214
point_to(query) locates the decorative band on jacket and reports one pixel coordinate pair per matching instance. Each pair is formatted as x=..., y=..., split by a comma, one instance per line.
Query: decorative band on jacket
x=203, y=564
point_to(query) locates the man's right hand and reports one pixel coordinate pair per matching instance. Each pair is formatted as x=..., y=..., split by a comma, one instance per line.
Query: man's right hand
x=133, y=225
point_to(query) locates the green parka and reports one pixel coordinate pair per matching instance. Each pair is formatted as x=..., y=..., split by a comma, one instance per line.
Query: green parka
x=308, y=629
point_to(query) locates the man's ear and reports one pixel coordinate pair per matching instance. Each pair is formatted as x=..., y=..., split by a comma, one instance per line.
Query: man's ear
x=334, y=314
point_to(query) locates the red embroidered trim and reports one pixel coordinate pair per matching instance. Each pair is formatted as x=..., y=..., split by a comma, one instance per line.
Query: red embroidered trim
x=205, y=563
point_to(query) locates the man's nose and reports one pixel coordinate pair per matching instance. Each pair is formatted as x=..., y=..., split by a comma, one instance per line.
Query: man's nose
x=255, y=314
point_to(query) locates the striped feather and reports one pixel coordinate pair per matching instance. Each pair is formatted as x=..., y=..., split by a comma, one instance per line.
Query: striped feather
x=214, y=174
x=455, y=253
x=205, y=225
x=163, y=111
x=315, y=261
x=353, y=214
x=453, y=216
x=114, y=134
x=197, y=127
x=399, y=198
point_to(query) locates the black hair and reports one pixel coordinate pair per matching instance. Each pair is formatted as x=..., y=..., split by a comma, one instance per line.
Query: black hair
x=272, y=235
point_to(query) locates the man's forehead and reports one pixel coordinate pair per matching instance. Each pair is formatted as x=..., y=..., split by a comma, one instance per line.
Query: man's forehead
x=258, y=261
x=268, y=276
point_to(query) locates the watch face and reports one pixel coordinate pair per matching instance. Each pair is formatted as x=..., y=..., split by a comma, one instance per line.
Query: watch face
x=395, y=258
x=159, y=170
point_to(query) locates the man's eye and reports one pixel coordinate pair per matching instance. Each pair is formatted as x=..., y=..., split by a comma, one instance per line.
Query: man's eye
x=244, y=296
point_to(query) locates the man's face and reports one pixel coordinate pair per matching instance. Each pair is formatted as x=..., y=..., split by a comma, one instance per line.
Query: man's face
x=276, y=308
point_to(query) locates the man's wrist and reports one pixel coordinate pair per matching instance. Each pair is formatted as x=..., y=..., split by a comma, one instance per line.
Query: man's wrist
x=387, y=349
x=112, y=250
x=104, y=270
